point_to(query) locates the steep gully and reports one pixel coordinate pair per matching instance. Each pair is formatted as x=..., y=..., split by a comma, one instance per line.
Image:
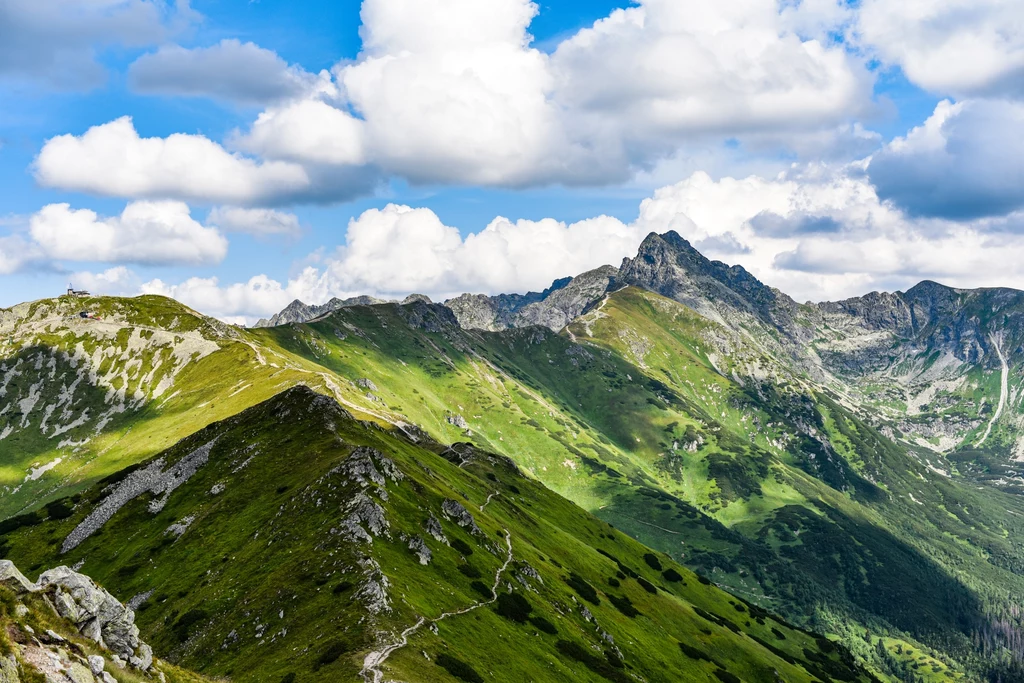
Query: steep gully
x=1003, y=391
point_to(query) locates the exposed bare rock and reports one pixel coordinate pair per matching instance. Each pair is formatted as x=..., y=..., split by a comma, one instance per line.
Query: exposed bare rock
x=368, y=465
x=564, y=305
x=9, y=670
x=554, y=308
x=433, y=527
x=373, y=592
x=366, y=384
x=454, y=511
x=14, y=579
x=97, y=614
x=298, y=312
x=525, y=571
x=419, y=547
x=457, y=421
x=366, y=519
x=152, y=479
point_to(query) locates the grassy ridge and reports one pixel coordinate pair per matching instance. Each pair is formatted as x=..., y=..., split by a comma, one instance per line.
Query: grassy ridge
x=686, y=435
x=261, y=586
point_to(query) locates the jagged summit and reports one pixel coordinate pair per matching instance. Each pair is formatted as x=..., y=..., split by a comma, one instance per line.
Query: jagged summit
x=554, y=308
x=685, y=402
x=299, y=312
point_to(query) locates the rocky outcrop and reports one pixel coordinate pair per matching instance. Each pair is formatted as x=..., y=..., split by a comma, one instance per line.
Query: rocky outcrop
x=368, y=465
x=9, y=670
x=433, y=527
x=456, y=420
x=373, y=592
x=553, y=308
x=454, y=511
x=366, y=520
x=367, y=384
x=298, y=312
x=153, y=479
x=419, y=548
x=14, y=579
x=566, y=304
x=96, y=614
x=481, y=312
x=669, y=265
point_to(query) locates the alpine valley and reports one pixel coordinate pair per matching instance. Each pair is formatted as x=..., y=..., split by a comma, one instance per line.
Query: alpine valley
x=665, y=471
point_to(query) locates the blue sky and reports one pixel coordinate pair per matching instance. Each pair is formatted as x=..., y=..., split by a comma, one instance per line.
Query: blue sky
x=279, y=150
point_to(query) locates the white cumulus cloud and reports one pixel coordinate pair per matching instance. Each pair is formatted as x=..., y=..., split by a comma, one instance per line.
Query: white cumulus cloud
x=146, y=232
x=116, y=281
x=951, y=47
x=965, y=161
x=113, y=160
x=453, y=91
x=16, y=253
x=239, y=302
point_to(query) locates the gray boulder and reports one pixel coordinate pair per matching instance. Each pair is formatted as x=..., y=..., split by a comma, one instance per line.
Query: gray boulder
x=14, y=579
x=454, y=511
x=97, y=614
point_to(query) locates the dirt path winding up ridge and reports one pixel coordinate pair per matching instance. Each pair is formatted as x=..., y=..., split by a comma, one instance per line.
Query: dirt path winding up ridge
x=374, y=660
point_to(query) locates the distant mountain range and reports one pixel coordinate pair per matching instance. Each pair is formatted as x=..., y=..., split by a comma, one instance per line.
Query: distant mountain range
x=283, y=503
x=913, y=356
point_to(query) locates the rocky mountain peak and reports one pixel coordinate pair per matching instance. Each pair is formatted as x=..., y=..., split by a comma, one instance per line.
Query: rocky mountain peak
x=299, y=312
x=669, y=265
x=554, y=308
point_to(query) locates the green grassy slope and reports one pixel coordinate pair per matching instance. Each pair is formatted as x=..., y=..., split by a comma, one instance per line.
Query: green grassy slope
x=83, y=398
x=684, y=434
x=650, y=406
x=264, y=579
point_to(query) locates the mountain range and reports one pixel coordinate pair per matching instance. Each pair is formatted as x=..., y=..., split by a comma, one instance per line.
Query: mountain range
x=662, y=471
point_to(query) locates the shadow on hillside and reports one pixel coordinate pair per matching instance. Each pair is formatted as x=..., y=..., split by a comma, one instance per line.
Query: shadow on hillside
x=38, y=380
x=829, y=558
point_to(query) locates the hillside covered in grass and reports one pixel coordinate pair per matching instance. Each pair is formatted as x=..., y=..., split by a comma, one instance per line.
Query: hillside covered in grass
x=380, y=555
x=751, y=439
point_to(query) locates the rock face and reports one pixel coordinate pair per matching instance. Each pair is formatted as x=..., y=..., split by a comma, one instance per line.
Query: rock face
x=433, y=527
x=419, y=548
x=153, y=479
x=454, y=511
x=911, y=359
x=9, y=670
x=554, y=308
x=457, y=420
x=298, y=312
x=96, y=614
x=481, y=312
x=566, y=304
x=14, y=579
x=669, y=265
